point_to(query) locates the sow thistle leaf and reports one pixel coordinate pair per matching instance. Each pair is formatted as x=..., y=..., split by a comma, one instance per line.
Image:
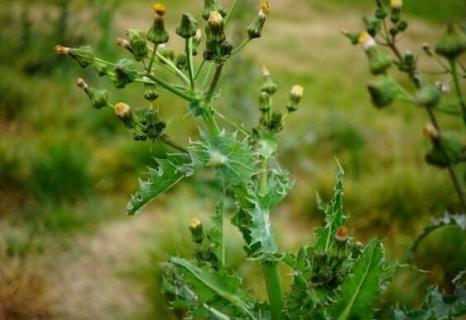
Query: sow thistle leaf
x=213, y=286
x=232, y=158
x=360, y=290
x=168, y=173
x=334, y=216
x=458, y=220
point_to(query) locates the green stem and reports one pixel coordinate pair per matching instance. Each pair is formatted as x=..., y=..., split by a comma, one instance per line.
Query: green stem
x=172, y=89
x=189, y=55
x=173, y=67
x=214, y=83
x=230, y=12
x=240, y=47
x=168, y=141
x=270, y=268
x=456, y=82
x=274, y=288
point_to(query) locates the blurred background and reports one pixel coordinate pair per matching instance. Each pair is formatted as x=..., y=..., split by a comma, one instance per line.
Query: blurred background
x=67, y=249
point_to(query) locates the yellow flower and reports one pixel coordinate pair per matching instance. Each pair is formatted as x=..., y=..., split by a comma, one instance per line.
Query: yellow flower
x=396, y=4
x=159, y=9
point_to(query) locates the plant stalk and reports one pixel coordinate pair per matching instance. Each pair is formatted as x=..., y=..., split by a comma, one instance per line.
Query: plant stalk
x=456, y=82
x=189, y=55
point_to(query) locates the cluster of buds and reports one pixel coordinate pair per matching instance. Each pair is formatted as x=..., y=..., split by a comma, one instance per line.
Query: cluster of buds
x=217, y=46
x=255, y=28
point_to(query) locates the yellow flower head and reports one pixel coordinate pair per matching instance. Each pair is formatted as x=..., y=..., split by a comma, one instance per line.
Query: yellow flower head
x=265, y=8
x=366, y=40
x=159, y=9
x=396, y=4
x=121, y=109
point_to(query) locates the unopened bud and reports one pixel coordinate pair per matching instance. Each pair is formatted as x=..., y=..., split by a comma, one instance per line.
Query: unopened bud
x=427, y=96
x=188, y=26
x=150, y=92
x=431, y=131
x=81, y=84
x=122, y=42
x=366, y=40
x=181, y=61
x=137, y=40
x=452, y=43
x=268, y=85
x=352, y=36
x=166, y=52
x=265, y=101
x=126, y=71
x=212, y=5
x=342, y=234
x=379, y=61
x=123, y=111
x=395, y=5
x=60, y=50
x=296, y=95
x=195, y=226
x=257, y=25
x=215, y=34
x=383, y=92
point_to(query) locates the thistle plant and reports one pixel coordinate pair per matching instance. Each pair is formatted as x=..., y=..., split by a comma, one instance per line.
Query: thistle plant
x=334, y=278
x=380, y=43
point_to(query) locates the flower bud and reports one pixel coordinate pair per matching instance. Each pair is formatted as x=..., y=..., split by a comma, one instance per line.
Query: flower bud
x=166, y=52
x=380, y=12
x=122, y=42
x=342, y=234
x=276, y=122
x=367, y=41
x=123, y=111
x=197, y=40
x=402, y=25
x=268, y=85
x=452, y=43
x=157, y=33
x=181, y=61
x=99, y=98
x=83, y=55
x=137, y=41
x=296, y=95
x=445, y=151
x=150, y=92
x=257, y=25
x=212, y=5
x=372, y=25
x=265, y=102
x=427, y=96
x=197, y=233
x=188, y=26
x=431, y=131
x=126, y=71
x=352, y=36
x=383, y=92
x=215, y=28
x=395, y=5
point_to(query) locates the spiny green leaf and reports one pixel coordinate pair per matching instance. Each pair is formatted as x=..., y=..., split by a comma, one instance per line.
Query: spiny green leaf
x=210, y=285
x=232, y=158
x=169, y=172
x=334, y=216
x=360, y=290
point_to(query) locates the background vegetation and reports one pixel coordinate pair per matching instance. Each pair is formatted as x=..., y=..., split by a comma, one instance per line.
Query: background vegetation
x=66, y=249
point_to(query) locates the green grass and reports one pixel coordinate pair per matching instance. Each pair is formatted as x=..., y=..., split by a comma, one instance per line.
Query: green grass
x=437, y=11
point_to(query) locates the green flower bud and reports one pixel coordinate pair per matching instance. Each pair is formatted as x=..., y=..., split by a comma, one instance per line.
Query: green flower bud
x=166, y=52
x=212, y=5
x=181, y=61
x=268, y=85
x=188, y=26
x=215, y=32
x=452, y=43
x=99, y=98
x=379, y=61
x=380, y=12
x=126, y=71
x=195, y=226
x=257, y=25
x=427, y=96
x=402, y=25
x=445, y=151
x=395, y=6
x=83, y=55
x=150, y=92
x=372, y=25
x=147, y=125
x=383, y=92
x=276, y=122
x=296, y=95
x=157, y=33
x=137, y=41
x=265, y=101
x=352, y=36
x=226, y=48
x=101, y=68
